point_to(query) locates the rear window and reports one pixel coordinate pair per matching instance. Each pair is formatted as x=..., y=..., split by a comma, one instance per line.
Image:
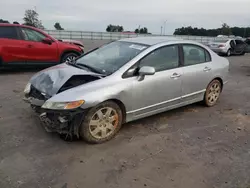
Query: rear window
x=8, y=32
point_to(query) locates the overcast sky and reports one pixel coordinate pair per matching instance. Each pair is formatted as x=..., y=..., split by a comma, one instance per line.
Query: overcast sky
x=95, y=15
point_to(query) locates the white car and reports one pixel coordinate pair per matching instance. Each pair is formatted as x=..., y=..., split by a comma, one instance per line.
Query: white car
x=227, y=46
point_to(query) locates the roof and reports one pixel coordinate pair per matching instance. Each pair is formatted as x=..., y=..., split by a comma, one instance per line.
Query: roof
x=150, y=40
x=8, y=24
x=25, y=26
x=17, y=25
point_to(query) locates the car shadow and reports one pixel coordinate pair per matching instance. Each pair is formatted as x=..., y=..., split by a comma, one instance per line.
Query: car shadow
x=149, y=125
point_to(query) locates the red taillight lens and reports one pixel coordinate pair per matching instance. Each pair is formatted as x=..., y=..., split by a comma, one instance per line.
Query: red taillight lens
x=221, y=45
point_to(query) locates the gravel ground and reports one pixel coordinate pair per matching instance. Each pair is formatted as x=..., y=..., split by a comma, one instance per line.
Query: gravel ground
x=191, y=147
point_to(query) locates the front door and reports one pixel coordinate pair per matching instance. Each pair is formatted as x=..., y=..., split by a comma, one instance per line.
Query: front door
x=197, y=73
x=161, y=91
x=36, y=50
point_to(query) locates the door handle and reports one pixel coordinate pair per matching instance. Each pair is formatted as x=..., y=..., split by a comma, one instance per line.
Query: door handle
x=30, y=46
x=206, y=69
x=175, y=75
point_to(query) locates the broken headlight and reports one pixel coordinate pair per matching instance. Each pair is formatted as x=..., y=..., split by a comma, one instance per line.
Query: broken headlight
x=27, y=88
x=62, y=105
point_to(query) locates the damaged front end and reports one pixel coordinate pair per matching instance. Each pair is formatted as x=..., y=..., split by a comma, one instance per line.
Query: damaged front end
x=46, y=84
x=65, y=122
x=62, y=122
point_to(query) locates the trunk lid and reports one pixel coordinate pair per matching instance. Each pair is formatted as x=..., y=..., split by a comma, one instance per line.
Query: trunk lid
x=216, y=44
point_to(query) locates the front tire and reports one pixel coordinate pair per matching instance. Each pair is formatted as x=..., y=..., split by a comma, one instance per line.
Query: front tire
x=101, y=123
x=68, y=57
x=213, y=92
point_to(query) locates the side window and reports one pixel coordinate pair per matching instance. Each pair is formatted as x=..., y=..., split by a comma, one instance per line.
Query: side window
x=32, y=35
x=194, y=55
x=8, y=32
x=208, y=56
x=162, y=59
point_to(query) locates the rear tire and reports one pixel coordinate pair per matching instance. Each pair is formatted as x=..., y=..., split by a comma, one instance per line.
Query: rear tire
x=213, y=92
x=101, y=123
x=68, y=57
x=229, y=53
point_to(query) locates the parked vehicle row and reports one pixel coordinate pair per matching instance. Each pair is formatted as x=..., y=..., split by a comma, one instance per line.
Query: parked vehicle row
x=122, y=81
x=24, y=45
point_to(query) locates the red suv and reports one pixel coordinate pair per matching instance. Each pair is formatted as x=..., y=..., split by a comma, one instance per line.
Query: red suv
x=24, y=45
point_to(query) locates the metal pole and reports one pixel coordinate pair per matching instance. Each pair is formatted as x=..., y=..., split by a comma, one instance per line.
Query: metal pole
x=161, y=30
x=165, y=27
x=244, y=32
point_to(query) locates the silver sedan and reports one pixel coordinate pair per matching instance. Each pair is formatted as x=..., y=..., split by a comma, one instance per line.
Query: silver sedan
x=92, y=96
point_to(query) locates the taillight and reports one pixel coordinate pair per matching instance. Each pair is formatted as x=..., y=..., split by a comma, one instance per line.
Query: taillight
x=221, y=45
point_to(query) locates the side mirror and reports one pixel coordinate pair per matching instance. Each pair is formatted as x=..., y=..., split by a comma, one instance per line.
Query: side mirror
x=47, y=41
x=146, y=70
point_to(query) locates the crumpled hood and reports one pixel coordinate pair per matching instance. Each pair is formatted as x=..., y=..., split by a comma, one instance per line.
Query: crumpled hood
x=49, y=81
x=72, y=41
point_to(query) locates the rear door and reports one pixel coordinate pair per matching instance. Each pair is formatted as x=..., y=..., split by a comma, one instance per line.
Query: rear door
x=197, y=72
x=36, y=50
x=11, y=46
x=240, y=46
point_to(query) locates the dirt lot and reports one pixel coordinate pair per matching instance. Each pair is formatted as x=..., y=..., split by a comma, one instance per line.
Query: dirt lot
x=191, y=147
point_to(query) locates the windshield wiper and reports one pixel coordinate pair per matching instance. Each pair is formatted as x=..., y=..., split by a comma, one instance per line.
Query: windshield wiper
x=80, y=66
x=73, y=63
x=90, y=68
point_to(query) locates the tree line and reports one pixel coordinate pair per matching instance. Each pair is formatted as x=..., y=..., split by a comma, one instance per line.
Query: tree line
x=224, y=30
x=119, y=28
x=31, y=18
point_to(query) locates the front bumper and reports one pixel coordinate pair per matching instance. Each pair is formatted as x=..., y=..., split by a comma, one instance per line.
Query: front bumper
x=61, y=121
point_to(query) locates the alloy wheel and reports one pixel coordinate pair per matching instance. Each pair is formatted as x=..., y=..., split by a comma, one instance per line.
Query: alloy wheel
x=103, y=123
x=214, y=93
x=70, y=58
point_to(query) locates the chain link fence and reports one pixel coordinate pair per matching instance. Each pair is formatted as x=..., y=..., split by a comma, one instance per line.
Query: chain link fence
x=76, y=35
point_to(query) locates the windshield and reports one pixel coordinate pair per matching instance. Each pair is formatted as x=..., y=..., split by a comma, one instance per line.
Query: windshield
x=109, y=58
